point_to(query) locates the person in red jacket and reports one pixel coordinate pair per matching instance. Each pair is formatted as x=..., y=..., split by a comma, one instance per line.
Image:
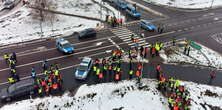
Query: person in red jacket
x=212, y=77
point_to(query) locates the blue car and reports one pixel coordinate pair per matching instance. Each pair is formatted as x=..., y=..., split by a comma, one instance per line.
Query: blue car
x=84, y=68
x=64, y=46
x=133, y=12
x=120, y=4
x=147, y=25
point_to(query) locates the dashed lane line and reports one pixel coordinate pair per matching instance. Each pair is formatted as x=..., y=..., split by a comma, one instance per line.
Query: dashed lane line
x=26, y=77
x=50, y=49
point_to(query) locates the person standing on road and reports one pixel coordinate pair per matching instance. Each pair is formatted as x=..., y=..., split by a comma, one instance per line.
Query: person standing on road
x=33, y=73
x=6, y=57
x=212, y=77
x=185, y=50
x=174, y=41
x=13, y=57
x=188, y=51
x=158, y=70
x=11, y=80
x=45, y=65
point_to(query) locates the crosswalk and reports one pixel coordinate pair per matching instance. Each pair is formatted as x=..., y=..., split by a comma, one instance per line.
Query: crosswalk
x=125, y=34
x=217, y=37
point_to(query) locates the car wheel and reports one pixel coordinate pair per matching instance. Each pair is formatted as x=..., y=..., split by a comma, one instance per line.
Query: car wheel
x=8, y=99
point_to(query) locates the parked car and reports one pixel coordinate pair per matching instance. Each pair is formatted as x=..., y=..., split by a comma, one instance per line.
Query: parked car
x=132, y=11
x=64, y=46
x=89, y=32
x=120, y=4
x=19, y=89
x=147, y=25
x=84, y=68
x=8, y=5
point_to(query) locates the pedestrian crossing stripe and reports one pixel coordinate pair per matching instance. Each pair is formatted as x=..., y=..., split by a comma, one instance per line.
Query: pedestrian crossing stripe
x=125, y=34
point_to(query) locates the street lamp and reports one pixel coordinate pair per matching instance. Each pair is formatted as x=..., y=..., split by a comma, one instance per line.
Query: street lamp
x=212, y=4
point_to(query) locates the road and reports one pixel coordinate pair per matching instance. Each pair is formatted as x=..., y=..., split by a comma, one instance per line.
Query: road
x=198, y=26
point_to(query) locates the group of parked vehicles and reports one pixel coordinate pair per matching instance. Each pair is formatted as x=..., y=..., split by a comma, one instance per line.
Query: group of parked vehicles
x=129, y=9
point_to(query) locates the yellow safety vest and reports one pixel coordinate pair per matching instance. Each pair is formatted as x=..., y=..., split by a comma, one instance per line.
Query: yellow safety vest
x=11, y=80
x=56, y=73
x=97, y=71
x=94, y=68
x=131, y=72
x=13, y=70
x=105, y=67
x=118, y=69
x=5, y=56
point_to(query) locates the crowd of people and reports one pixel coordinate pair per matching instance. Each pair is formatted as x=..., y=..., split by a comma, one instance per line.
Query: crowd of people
x=178, y=96
x=11, y=61
x=109, y=67
x=113, y=21
x=51, y=81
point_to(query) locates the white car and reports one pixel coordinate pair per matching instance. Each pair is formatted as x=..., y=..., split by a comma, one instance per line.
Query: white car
x=84, y=68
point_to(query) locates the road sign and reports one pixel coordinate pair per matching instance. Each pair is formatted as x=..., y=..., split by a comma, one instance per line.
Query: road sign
x=195, y=45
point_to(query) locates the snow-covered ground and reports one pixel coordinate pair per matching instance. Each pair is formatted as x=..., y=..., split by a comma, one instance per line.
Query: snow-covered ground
x=19, y=25
x=190, y=4
x=205, y=57
x=121, y=96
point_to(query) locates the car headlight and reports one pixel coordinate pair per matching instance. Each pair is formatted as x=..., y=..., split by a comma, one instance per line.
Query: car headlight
x=65, y=50
x=3, y=97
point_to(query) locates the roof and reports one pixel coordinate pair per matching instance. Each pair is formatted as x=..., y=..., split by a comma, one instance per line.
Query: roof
x=86, y=59
x=24, y=83
x=62, y=42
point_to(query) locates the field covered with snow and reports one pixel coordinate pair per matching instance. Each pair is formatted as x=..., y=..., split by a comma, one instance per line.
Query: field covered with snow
x=204, y=57
x=18, y=26
x=189, y=4
x=124, y=96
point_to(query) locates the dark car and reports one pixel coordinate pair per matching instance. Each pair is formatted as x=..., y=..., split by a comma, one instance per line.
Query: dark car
x=86, y=33
x=9, y=5
x=18, y=89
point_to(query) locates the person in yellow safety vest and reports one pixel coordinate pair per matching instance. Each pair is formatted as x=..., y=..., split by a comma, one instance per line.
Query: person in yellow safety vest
x=118, y=69
x=11, y=62
x=97, y=71
x=94, y=68
x=12, y=70
x=56, y=72
x=6, y=57
x=46, y=72
x=130, y=74
x=177, y=83
x=157, y=47
x=105, y=67
x=11, y=80
x=114, y=68
x=40, y=90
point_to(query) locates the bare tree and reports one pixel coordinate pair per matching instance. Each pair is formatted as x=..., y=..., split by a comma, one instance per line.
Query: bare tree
x=43, y=16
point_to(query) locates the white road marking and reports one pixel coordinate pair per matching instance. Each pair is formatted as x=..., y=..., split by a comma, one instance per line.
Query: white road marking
x=50, y=49
x=26, y=77
x=114, y=43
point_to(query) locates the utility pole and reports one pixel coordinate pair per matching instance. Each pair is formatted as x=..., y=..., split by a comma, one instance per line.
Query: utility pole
x=212, y=4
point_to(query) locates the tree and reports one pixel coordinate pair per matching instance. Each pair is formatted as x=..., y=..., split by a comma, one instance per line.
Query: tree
x=38, y=13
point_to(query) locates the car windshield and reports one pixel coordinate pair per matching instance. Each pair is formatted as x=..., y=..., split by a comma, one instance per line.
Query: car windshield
x=122, y=1
x=82, y=68
x=148, y=23
x=67, y=45
x=8, y=3
x=11, y=88
x=83, y=32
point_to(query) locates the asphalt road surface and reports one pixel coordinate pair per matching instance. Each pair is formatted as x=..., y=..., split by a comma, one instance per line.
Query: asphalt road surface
x=198, y=26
